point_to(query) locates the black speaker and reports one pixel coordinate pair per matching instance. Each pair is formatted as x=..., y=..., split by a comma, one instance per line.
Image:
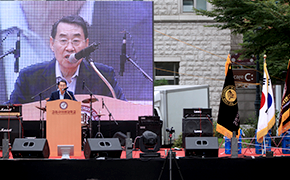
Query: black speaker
x=149, y=125
x=196, y=127
x=30, y=148
x=13, y=123
x=102, y=147
x=201, y=146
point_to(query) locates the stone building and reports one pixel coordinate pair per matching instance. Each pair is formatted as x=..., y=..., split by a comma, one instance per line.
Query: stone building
x=183, y=43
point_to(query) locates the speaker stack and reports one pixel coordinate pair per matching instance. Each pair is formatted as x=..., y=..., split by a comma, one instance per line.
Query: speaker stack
x=197, y=123
x=149, y=123
x=13, y=123
x=11, y=120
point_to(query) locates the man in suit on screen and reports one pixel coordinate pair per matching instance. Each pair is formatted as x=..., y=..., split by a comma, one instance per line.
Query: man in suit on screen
x=62, y=92
x=69, y=35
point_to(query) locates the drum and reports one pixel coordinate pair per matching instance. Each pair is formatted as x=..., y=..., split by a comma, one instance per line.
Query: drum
x=85, y=119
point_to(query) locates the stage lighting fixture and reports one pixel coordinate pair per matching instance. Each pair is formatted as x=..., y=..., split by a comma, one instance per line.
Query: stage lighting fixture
x=149, y=144
x=121, y=136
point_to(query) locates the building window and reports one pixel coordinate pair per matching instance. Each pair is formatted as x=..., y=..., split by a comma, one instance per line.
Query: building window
x=189, y=4
x=169, y=72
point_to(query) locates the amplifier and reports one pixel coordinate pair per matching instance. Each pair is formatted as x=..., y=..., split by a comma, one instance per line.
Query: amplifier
x=197, y=112
x=13, y=123
x=8, y=110
x=148, y=119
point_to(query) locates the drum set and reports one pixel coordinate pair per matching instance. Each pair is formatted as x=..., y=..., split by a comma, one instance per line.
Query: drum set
x=86, y=121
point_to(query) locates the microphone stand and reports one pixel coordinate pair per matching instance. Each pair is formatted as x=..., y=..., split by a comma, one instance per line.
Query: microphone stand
x=101, y=76
x=14, y=51
x=110, y=115
x=139, y=68
x=10, y=51
x=41, y=117
x=91, y=113
x=68, y=95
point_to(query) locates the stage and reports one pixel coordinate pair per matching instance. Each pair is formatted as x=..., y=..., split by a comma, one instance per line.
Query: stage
x=248, y=165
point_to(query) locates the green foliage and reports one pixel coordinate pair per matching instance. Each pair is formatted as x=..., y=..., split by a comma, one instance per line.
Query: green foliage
x=265, y=25
x=160, y=82
x=178, y=142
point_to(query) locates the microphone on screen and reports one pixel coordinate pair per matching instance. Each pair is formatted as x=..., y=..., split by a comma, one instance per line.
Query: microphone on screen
x=75, y=57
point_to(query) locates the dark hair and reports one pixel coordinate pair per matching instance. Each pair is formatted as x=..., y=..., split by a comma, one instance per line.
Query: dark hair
x=61, y=81
x=73, y=19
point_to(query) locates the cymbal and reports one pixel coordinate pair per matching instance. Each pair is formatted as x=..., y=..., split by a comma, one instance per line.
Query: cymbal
x=43, y=108
x=89, y=100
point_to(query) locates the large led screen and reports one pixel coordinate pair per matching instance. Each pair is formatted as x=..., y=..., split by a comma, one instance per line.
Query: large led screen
x=29, y=72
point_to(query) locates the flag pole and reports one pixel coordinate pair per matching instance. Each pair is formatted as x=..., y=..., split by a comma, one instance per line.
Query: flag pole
x=264, y=148
x=264, y=144
x=234, y=145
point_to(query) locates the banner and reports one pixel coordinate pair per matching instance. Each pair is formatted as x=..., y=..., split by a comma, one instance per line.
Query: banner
x=267, y=108
x=228, y=117
x=284, y=120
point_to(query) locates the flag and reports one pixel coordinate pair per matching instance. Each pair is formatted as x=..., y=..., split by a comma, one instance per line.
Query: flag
x=228, y=117
x=284, y=119
x=267, y=108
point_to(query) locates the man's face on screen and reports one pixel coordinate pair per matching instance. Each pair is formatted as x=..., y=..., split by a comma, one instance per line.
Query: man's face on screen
x=69, y=39
x=62, y=86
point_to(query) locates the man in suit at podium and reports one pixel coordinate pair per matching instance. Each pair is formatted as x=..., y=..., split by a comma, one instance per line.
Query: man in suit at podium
x=62, y=92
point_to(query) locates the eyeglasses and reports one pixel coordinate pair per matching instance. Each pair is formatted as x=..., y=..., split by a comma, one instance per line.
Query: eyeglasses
x=74, y=42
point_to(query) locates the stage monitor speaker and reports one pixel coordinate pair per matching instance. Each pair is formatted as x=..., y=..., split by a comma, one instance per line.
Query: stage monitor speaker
x=196, y=127
x=13, y=123
x=201, y=146
x=149, y=125
x=30, y=148
x=102, y=147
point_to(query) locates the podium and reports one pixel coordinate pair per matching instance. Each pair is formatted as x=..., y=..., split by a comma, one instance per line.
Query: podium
x=63, y=125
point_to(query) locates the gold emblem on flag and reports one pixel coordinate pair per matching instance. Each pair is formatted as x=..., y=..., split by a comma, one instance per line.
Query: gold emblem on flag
x=229, y=95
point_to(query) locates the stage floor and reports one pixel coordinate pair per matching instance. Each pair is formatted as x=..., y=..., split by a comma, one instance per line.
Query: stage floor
x=180, y=153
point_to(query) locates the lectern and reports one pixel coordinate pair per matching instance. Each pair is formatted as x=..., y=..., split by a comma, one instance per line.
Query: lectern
x=63, y=125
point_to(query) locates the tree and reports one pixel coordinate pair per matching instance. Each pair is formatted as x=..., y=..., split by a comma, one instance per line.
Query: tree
x=265, y=25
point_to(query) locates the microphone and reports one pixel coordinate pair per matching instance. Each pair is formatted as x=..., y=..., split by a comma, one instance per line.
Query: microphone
x=65, y=89
x=17, y=53
x=83, y=87
x=123, y=56
x=75, y=57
